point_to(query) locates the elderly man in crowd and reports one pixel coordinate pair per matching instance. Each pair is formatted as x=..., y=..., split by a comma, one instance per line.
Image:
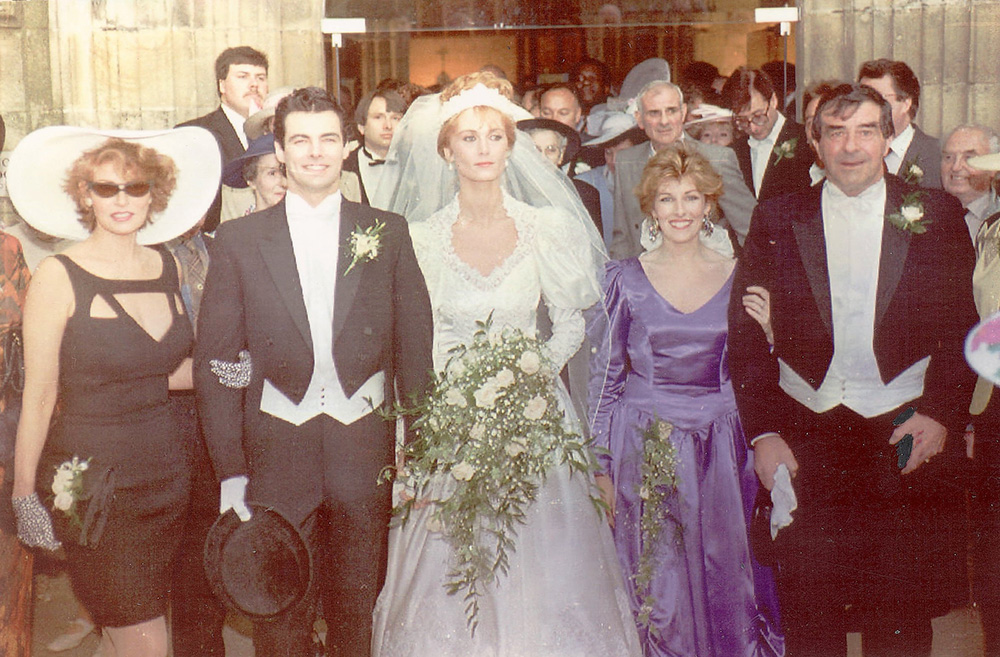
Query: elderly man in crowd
x=913, y=155
x=560, y=103
x=969, y=185
x=660, y=113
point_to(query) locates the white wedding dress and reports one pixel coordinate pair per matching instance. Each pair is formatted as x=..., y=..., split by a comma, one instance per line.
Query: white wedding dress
x=563, y=595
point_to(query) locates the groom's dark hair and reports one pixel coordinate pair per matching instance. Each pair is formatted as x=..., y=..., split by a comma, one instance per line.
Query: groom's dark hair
x=307, y=99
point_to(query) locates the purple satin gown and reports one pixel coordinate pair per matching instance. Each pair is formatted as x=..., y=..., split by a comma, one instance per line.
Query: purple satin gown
x=712, y=598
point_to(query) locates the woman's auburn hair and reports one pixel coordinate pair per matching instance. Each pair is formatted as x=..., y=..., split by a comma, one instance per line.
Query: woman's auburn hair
x=134, y=162
x=674, y=162
x=466, y=82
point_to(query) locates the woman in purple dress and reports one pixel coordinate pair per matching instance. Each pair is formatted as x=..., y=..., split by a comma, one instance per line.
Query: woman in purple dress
x=695, y=588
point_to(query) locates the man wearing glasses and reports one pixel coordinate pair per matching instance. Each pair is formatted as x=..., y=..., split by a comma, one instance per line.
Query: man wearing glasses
x=913, y=155
x=773, y=151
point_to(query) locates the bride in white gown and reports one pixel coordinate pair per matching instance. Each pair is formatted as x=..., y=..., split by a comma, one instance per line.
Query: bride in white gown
x=485, y=253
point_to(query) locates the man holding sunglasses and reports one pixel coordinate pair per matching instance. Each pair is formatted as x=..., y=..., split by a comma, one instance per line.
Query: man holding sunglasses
x=772, y=151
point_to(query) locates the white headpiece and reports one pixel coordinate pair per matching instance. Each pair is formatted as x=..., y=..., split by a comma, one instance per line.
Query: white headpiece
x=482, y=96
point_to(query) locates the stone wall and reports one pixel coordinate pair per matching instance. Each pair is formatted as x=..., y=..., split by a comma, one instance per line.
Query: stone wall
x=140, y=64
x=952, y=45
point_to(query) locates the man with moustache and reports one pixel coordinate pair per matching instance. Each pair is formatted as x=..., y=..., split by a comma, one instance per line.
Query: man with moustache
x=241, y=76
x=870, y=304
x=660, y=113
x=332, y=331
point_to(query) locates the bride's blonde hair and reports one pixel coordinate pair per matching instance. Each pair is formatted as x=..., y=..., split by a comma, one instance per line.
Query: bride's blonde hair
x=466, y=83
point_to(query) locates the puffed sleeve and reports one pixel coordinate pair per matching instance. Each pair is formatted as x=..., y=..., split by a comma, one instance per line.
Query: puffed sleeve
x=569, y=267
x=426, y=245
x=608, y=333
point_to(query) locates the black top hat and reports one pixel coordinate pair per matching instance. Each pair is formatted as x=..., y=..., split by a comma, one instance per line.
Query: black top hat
x=260, y=567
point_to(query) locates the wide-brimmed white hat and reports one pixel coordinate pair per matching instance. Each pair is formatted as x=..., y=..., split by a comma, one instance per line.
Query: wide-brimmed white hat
x=705, y=113
x=988, y=162
x=40, y=164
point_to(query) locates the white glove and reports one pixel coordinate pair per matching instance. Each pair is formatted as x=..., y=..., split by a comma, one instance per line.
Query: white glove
x=34, y=524
x=232, y=495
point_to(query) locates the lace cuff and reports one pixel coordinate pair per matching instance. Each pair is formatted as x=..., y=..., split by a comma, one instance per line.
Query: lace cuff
x=568, y=329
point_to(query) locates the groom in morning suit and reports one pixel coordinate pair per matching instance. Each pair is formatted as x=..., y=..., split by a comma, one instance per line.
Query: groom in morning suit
x=332, y=333
x=869, y=320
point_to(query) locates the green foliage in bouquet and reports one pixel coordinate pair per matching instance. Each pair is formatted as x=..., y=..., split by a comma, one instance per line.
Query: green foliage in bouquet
x=487, y=435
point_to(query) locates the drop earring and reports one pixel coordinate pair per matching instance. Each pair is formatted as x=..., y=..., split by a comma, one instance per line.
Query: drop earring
x=653, y=229
x=451, y=165
x=707, y=225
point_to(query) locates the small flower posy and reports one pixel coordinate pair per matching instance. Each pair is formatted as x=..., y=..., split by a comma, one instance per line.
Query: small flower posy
x=911, y=173
x=659, y=481
x=364, y=244
x=487, y=436
x=67, y=487
x=785, y=150
x=910, y=216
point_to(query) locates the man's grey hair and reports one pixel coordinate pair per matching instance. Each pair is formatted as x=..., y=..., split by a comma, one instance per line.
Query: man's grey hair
x=655, y=85
x=989, y=135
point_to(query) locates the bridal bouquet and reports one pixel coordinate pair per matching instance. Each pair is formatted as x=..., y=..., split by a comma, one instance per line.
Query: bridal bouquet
x=487, y=435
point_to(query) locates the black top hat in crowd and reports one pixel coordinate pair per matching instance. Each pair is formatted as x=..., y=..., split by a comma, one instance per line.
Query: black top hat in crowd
x=260, y=567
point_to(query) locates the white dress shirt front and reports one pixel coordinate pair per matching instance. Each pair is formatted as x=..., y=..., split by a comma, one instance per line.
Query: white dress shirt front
x=236, y=120
x=852, y=227
x=315, y=233
x=760, y=152
x=897, y=150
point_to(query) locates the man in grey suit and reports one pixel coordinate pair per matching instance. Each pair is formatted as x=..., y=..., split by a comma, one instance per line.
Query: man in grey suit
x=660, y=113
x=913, y=155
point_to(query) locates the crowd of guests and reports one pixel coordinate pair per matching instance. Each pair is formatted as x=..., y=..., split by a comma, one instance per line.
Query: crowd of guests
x=758, y=325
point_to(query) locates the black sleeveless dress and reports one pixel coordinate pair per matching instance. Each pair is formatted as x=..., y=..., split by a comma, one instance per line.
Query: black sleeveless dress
x=113, y=409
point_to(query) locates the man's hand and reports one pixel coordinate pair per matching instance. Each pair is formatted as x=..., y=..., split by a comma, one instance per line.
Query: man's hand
x=928, y=440
x=232, y=495
x=770, y=451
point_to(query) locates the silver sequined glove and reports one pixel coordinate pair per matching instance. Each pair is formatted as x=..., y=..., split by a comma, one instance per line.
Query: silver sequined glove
x=34, y=524
x=233, y=375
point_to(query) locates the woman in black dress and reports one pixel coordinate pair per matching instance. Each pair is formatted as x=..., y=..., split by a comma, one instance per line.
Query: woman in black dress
x=105, y=338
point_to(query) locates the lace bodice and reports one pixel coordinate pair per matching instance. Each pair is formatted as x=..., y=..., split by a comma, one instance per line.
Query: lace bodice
x=543, y=265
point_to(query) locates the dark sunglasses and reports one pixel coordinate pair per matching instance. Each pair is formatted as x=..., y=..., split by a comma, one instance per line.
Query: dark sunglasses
x=107, y=190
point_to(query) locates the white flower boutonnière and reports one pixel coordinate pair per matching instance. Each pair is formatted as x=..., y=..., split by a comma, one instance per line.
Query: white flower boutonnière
x=785, y=150
x=911, y=173
x=910, y=215
x=364, y=244
x=67, y=487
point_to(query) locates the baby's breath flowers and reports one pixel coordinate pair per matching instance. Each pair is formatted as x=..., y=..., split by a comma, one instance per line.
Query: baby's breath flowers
x=487, y=436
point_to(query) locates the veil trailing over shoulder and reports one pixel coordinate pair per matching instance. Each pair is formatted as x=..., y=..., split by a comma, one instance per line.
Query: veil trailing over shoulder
x=416, y=181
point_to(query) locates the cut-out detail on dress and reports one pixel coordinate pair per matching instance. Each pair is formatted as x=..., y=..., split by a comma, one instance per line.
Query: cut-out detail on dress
x=145, y=310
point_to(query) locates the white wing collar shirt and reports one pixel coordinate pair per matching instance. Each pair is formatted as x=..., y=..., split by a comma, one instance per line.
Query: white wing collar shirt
x=237, y=121
x=760, y=152
x=315, y=235
x=897, y=150
x=853, y=230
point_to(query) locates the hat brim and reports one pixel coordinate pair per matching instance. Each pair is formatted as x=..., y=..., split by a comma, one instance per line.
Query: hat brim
x=988, y=162
x=40, y=163
x=572, y=136
x=254, y=126
x=260, y=567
